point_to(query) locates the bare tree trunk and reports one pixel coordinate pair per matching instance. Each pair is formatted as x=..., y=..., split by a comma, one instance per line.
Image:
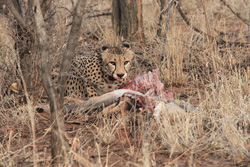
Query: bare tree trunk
x=161, y=21
x=58, y=144
x=25, y=40
x=170, y=4
x=127, y=19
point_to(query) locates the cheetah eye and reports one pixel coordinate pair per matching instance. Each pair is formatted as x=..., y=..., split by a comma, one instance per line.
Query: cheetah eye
x=126, y=62
x=113, y=63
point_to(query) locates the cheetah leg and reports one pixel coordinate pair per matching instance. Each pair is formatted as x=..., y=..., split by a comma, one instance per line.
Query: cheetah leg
x=71, y=99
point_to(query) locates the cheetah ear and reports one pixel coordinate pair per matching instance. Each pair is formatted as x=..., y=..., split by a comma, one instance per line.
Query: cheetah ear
x=104, y=48
x=126, y=45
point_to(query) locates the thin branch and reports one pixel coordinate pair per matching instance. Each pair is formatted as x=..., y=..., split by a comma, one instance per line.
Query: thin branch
x=236, y=14
x=72, y=43
x=170, y=4
x=16, y=13
x=186, y=19
x=220, y=42
x=101, y=14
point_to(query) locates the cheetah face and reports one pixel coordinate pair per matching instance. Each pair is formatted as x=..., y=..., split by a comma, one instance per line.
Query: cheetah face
x=117, y=62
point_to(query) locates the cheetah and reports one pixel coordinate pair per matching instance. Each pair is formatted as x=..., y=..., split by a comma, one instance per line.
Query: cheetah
x=94, y=75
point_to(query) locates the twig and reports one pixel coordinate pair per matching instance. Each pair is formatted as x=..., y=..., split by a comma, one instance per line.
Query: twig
x=186, y=19
x=101, y=14
x=236, y=14
x=49, y=17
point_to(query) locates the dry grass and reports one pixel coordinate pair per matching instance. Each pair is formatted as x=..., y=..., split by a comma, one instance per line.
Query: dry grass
x=214, y=78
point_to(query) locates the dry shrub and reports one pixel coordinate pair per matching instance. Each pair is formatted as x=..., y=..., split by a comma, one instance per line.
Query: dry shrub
x=227, y=108
x=219, y=76
x=222, y=123
x=178, y=132
x=15, y=135
x=107, y=132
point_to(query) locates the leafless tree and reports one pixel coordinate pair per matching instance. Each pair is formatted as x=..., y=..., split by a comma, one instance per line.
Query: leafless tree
x=55, y=93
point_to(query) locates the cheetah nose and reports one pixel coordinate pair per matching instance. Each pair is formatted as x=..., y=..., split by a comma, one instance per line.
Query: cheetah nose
x=120, y=75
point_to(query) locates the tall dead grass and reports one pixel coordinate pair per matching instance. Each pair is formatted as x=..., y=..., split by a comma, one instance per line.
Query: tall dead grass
x=217, y=77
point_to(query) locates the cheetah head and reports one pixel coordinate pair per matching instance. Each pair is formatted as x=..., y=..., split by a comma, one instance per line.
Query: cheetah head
x=117, y=61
